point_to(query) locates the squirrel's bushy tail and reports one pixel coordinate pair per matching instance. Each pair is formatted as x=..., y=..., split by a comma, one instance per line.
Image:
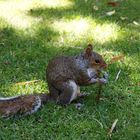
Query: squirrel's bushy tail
x=22, y=105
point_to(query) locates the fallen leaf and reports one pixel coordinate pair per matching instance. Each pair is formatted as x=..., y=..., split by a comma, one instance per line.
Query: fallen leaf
x=116, y=58
x=110, y=13
x=123, y=18
x=27, y=82
x=112, y=127
x=95, y=8
x=113, y=4
x=135, y=22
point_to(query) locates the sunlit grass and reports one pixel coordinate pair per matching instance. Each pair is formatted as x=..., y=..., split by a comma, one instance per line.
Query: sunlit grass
x=87, y=29
x=15, y=11
x=105, y=32
x=75, y=26
x=56, y=3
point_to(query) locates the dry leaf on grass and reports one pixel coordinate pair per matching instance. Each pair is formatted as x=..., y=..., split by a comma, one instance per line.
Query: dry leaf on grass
x=136, y=23
x=117, y=58
x=95, y=8
x=27, y=82
x=110, y=13
x=123, y=18
x=113, y=4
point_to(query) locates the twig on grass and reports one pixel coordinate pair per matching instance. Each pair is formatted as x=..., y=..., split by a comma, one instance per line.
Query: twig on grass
x=117, y=76
x=112, y=127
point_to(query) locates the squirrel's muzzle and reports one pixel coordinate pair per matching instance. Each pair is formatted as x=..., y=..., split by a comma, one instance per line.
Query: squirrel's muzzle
x=104, y=65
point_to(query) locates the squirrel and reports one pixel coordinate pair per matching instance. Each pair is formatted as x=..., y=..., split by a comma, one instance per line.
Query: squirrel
x=65, y=75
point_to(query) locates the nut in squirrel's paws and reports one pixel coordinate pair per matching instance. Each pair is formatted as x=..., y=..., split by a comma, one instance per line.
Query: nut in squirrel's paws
x=103, y=80
x=79, y=106
x=105, y=75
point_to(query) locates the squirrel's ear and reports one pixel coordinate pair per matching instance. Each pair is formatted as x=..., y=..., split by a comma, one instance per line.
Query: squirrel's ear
x=88, y=51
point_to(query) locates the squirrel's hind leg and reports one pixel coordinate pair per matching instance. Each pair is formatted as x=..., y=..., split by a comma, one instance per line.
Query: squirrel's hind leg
x=68, y=92
x=54, y=92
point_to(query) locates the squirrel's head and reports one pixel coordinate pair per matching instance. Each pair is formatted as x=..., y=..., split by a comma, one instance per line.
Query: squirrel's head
x=95, y=60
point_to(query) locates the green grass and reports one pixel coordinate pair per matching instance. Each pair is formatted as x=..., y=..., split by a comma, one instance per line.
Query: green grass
x=31, y=33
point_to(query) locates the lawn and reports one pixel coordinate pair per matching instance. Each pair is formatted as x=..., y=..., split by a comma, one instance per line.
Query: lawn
x=33, y=32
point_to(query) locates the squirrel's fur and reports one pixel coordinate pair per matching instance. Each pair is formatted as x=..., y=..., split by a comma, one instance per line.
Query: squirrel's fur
x=64, y=75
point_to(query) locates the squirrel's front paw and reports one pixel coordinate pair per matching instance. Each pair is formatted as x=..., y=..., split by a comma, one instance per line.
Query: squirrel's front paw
x=105, y=75
x=79, y=106
x=103, y=81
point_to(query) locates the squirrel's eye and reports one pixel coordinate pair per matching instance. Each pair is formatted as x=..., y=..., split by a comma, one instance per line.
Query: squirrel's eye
x=97, y=61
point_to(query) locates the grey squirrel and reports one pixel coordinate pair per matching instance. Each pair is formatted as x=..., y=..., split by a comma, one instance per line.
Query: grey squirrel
x=64, y=75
